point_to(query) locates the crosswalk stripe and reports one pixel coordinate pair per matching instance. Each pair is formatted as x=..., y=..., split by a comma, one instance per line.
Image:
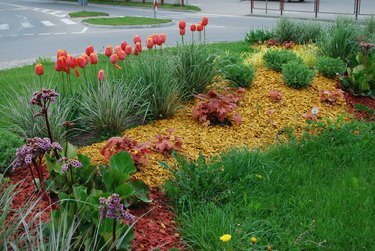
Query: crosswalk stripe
x=27, y=25
x=67, y=21
x=45, y=10
x=47, y=23
x=4, y=27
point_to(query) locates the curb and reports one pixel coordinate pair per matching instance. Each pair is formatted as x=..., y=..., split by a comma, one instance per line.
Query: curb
x=130, y=26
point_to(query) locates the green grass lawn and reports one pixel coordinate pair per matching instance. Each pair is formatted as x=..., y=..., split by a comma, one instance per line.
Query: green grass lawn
x=126, y=21
x=87, y=14
x=317, y=194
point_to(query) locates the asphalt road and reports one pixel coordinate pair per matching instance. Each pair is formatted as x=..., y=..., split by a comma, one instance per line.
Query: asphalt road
x=31, y=29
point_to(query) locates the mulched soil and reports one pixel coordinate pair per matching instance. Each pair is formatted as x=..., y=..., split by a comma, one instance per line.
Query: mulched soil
x=351, y=101
x=156, y=227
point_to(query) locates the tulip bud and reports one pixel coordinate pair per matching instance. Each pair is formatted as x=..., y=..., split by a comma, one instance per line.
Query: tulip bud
x=204, y=21
x=70, y=61
x=137, y=38
x=81, y=61
x=117, y=48
x=93, y=58
x=150, y=43
x=108, y=50
x=89, y=50
x=128, y=49
x=101, y=75
x=182, y=24
x=121, y=55
x=123, y=45
x=138, y=46
x=39, y=69
x=182, y=32
x=199, y=27
x=113, y=58
x=193, y=27
x=61, y=53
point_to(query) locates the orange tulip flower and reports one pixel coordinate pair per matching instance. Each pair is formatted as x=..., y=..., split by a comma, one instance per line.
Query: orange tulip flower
x=121, y=55
x=39, y=69
x=114, y=58
x=150, y=43
x=138, y=46
x=137, y=38
x=86, y=57
x=204, y=21
x=70, y=61
x=123, y=45
x=182, y=24
x=60, y=63
x=128, y=49
x=81, y=62
x=61, y=53
x=108, y=50
x=93, y=58
x=89, y=50
x=101, y=75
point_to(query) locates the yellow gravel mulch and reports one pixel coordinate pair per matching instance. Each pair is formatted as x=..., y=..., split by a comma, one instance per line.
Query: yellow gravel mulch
x=263, y=120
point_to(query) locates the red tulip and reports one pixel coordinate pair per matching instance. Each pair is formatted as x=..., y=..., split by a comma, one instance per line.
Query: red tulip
x=70, y=61
x=150, y=43
x=128, y=49
x=114, y=59
x=60, y=63
x=89, y=50
x=193, y=27
x=155, y=37
x=137, y=38
x=101, y=75
x=204, y=21
x=123, y=45
x=61, y=53
x=117, y=48
x=67, y=69
x=76, y=72
x=86, y=57
x=199, y=27
x=57, y=67
x=121, y=55
x=163, y=37
x=138, y=46
x=182, y=24
x=182, y=32
x=39, y=69
x=108, y=50
x=136, y=52
x=93, y=58
x=81, y=62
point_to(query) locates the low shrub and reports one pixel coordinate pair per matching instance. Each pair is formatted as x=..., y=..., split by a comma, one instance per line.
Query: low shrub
x=275, y=59
x=330, y=67
x=9, y=142
x=285, y=30
x=297, y=75
x=194, y=69
x=258, y=36
x=239, y=74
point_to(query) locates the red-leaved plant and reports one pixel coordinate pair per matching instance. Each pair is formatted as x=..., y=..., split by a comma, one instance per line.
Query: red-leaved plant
x=275, y=95
x=289, y=45
x=166, y=143
x=272, y=42
x=218, y=108
x=137, y=151
x=331, y=97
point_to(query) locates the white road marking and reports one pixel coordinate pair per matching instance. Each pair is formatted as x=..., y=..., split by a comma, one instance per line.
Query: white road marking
x=56, y=13
x=46, y=10
x=80, y=32
x=4, y=27
x=27, y=25
x=44, y=34
x=28, y=34
x=60, y=33
x=67, y=21
x=47, y=23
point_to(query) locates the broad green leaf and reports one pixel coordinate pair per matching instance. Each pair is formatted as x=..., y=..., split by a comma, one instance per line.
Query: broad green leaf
x=141, y=190
x=108, y=180
x=122, y=163
x=125, y=191
x=71, y=151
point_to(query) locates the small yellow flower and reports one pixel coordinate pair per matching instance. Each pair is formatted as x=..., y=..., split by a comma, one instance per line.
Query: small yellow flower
x=269, y=248
x=259, y=176
x=226, y=237
x=253, y=240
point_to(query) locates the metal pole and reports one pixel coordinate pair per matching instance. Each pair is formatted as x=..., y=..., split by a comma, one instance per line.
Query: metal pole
x=356, y=9
x=251, y=6
x=281, y=7
x=266, y=6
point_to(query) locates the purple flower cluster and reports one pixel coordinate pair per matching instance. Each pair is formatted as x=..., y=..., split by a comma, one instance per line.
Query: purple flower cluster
x=33, y=149
x=112, y=208
x=69, y=163
x=44, y=95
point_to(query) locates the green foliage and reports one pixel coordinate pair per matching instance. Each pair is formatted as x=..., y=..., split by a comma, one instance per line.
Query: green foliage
x=194, y=69
x=341, y=39
x=239, y=74
x=258, y=36
x=275, y=59
x=297, y=75
x=330, y=67
x=360, y=79
x=248, y=193
x=9, y=142
x=285, y=30
x=111, y=107
x=308, y=32
x=370, y=25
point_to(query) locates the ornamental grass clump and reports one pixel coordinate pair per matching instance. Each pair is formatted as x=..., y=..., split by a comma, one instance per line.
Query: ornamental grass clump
x=285, y=30
x=258, y=36
x=275, y=59
x=308, y=32
x=297, y=75
x=330, y=67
